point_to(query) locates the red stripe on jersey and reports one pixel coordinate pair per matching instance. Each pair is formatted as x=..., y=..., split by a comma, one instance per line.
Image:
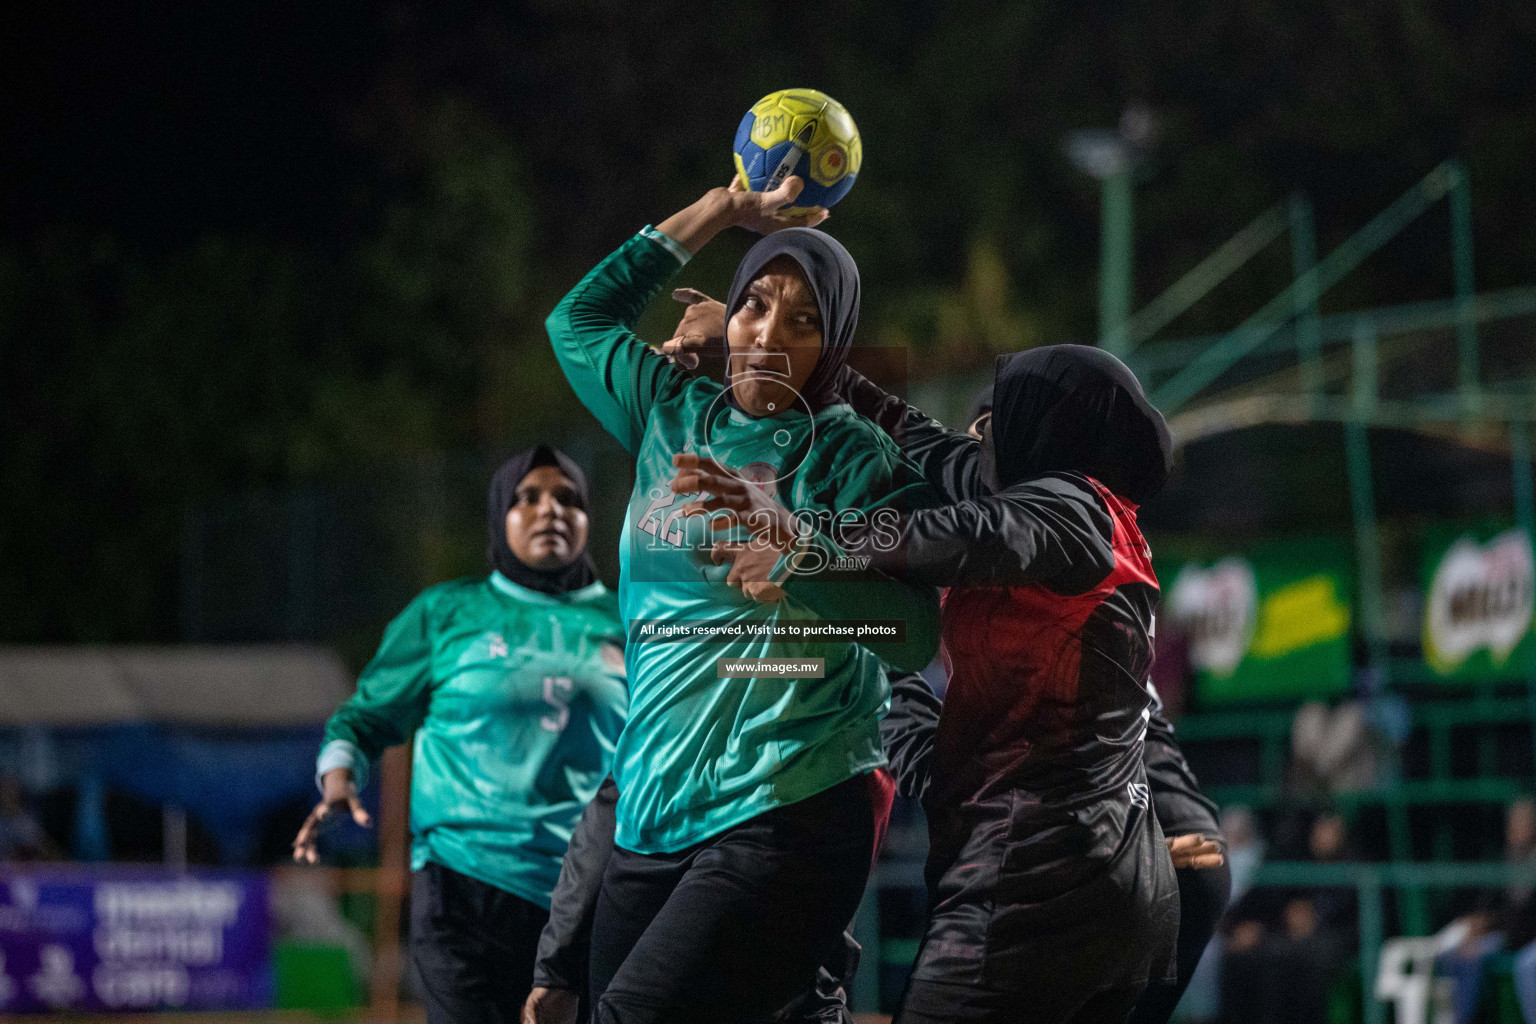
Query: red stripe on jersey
x=1015, y=659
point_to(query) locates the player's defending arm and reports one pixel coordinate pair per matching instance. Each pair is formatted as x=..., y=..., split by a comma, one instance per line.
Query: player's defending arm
x=775, y=561
x=949, y=459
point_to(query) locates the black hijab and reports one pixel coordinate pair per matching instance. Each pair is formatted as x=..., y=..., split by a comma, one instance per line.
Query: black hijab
x=980, y=405
x=1077, y=409
x=503, y=494
x=834, y=280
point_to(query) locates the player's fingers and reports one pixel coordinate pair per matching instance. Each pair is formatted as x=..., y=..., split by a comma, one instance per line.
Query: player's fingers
x=304, y=843
x=721, y=485
x=304, y=830
x=763, y=592
x=676, y=350
x=682, y=344
x=696, y=508
x=809, y=219
x=712, y=507
x=720, y=524
x=359, y=815
x=691, y=480
x=1194, y=850
x=311, y=826
x=707, y=477
x=731, y=503
x=690, y=296
x=1185, y=842
x=785, y=194
x=736, y=185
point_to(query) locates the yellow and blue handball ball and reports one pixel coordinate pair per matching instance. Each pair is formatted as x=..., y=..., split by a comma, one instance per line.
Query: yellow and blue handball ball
x=804, y=132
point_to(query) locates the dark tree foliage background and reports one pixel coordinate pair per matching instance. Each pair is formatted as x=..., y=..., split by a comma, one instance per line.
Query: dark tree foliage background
x=273, y=243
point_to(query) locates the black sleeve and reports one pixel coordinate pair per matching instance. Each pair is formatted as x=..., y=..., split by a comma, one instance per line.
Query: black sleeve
x=949, y=459
x=1182, y=808
x=567, y=938
x=907, y=732
x=1053, y=530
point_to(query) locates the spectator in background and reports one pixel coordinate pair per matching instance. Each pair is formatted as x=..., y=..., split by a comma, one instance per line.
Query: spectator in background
x=1283, y=946
x=21, y=835
x=1507, y=921
x=1352, y=747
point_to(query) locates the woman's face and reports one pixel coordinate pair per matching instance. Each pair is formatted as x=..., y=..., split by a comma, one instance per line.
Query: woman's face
x=546, y=525
x=775, y=339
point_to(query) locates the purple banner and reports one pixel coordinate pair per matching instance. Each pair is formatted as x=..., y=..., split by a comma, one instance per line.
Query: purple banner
x=103, y=939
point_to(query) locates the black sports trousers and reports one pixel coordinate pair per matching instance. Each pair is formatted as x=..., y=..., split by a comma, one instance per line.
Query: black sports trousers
x=727, y=931
x=1203, y=896
x=473, y=946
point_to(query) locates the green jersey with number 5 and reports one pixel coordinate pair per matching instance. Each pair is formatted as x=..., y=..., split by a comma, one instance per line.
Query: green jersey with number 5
x=517, y=699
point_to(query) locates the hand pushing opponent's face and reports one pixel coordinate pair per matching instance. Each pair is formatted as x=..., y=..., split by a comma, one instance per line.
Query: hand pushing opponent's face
x=775, y=339
x=546, y=525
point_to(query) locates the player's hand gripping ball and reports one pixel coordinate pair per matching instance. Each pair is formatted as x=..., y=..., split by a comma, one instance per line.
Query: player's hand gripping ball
x=804, y=132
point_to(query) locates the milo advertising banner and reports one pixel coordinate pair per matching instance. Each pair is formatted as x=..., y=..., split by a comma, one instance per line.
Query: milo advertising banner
x=1270, y=623
x=1478, y=601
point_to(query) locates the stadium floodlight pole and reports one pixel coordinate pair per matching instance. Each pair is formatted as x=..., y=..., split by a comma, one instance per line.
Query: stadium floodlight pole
x=1115, y=265
x=1111, y=157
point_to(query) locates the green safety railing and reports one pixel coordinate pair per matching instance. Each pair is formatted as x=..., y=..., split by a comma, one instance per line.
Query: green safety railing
x=1370, y=881
x=1439, y=720
x=1272, y=729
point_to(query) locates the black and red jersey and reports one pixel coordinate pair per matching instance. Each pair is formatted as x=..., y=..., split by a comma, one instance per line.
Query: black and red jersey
x=1046, y=867
x=1047, y=705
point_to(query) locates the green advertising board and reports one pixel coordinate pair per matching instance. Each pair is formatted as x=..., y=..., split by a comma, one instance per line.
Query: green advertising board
x=1270, y=623
x=1478, y=597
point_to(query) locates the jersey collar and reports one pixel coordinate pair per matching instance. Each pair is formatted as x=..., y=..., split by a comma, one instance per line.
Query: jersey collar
x=586, y=593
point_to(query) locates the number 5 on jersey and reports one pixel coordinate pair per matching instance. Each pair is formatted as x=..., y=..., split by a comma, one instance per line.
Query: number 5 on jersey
x=557, y=694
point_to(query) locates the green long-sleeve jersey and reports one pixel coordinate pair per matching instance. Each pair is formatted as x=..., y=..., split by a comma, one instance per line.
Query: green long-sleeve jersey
x=700, y=753
x=517, y=699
